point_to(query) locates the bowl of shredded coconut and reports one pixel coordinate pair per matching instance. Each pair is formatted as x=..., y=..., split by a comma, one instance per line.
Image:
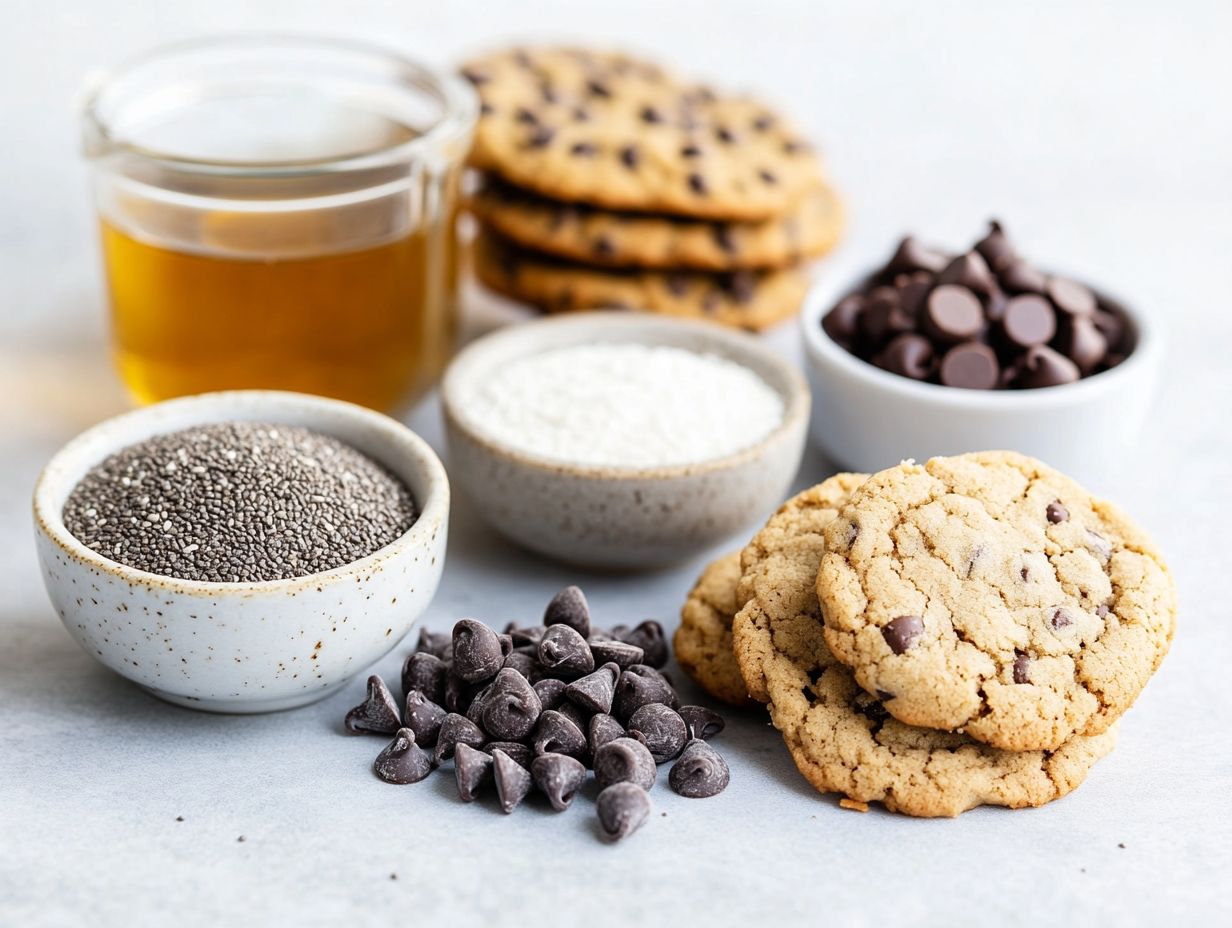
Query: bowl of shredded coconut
x=615, y=440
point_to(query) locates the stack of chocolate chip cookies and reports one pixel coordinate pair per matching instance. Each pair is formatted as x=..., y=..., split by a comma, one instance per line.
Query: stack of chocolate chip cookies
x=938, y=637
x=606, y=182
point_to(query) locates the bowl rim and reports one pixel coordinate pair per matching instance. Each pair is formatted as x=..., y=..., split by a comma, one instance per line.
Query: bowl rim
x=737, y=346
x=824, y=351
x=433, y=507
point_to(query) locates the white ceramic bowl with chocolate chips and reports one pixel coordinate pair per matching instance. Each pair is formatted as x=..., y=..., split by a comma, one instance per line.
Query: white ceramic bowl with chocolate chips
x=244, y=647
x=939, y=354
x=637, y=513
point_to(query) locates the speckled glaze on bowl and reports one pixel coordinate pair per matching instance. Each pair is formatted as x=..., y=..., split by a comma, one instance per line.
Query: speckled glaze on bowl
x=244, y=647
x=614, y=517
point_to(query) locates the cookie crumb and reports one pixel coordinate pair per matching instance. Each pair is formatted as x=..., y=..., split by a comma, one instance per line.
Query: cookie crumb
x=241, y=839
x=1121, y=845
x=180, y=818
x=853, y=804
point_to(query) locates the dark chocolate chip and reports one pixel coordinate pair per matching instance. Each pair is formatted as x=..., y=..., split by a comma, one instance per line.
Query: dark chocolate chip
x=970, y=366
x=619, y=653
x=722, y=233
x=565, y=653
x=551, y=692
x=908, y=355
x=912, y=256
x=768, y=177
x=690, y=151
x=1071, y=297
x=575, y=713
x=1028, y=320
x=1056, y=512
x=459, y=694
x=870, y=706
x=423, y=717
x=402, y=761
x=569, y=607
x=437, y=643
x=476, y=651
x=1021, y=277
x=724, y=135
x=521, y=753
x=531, y=634
x=526, y=117
x=456, y=730
x=649, y=636
x=1099, y=545
x=427, y=673
x=602, y=729
x=525, y=663
x=510, y=707
x=558, y=777
x=968, y=270
x=700, y=772
x=742, y=285
x=598, y=88
x=472, y=769
x=995, y=248
x=763, y=123
x=650, y=115
x=513, y=781
x=882, y=317
x=1022, y=669
x=697, y=184
x=583, y=149
x=559, y=734
x=1082, y=342
x=1114, y=329
x=952, y=313
x=663, y=728
x=841, y=322
x=624, y=760
x=1043, y=367
x=912, y=290
x=623, y=808
x=629, y=156
x=595, y=691
x=603, y=248
x=702, y=722
x=901, y=633
x=540, y=137
x=1061, y=618
x=635, y=690
x=377, y=714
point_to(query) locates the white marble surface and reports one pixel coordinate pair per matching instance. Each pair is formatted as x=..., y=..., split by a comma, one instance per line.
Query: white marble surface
x=1097, y=131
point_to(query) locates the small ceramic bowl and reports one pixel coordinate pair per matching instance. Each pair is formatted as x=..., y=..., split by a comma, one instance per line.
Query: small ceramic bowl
x=867, y=419
x=619, y=517
x=244, y=647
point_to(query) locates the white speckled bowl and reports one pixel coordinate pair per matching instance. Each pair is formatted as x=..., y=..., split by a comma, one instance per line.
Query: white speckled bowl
x=621, y=518
x=244, y=647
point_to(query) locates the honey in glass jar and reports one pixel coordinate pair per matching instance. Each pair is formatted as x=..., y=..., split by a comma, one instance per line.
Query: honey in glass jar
x=279, y=213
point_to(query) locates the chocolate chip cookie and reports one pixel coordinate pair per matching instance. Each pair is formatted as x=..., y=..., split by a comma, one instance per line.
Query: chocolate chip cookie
x=752, y=300
x=703, y=642
x=605, y=238
x=614, y=131
x=991, y=595
x=842, y=739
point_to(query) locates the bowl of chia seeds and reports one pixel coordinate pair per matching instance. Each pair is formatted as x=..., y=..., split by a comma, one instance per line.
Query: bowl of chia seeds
x=242, y=552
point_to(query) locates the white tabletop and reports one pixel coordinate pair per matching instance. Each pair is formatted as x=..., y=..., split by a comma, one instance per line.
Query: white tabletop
x=1099, y=135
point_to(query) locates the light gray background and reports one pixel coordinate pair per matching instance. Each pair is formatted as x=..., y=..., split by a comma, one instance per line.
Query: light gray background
x=1098, y=132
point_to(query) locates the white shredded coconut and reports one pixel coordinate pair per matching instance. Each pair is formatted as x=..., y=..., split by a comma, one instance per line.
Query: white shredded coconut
x=625, y=405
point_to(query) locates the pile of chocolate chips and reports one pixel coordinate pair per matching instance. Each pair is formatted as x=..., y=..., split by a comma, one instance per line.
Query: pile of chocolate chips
x=983, y=320
x=540, y=707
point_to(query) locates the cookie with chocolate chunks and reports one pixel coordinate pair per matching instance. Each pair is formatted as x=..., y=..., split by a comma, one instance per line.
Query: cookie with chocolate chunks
x=621, y=239
x=703, y=640
x=618, y=132
x=989, y=594
x=753, y=300
x=842, y=738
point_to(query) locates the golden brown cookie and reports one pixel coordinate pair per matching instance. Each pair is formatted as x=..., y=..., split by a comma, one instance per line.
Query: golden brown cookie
x=841, y=738
x=611, y=130
x=703, y=642
x=988, y=593
x=753, y=300
x=611, y=239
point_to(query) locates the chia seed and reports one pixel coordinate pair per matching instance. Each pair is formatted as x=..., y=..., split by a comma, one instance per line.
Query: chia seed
x=238, y=502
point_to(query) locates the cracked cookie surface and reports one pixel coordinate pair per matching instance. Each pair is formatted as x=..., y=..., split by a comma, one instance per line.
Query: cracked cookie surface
x=618, y=132
x=840, y=737
x=612, y=239
x=989, y=594
x=703, y=642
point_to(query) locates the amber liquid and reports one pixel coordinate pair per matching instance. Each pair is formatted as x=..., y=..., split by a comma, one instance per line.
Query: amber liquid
x=373, y=325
